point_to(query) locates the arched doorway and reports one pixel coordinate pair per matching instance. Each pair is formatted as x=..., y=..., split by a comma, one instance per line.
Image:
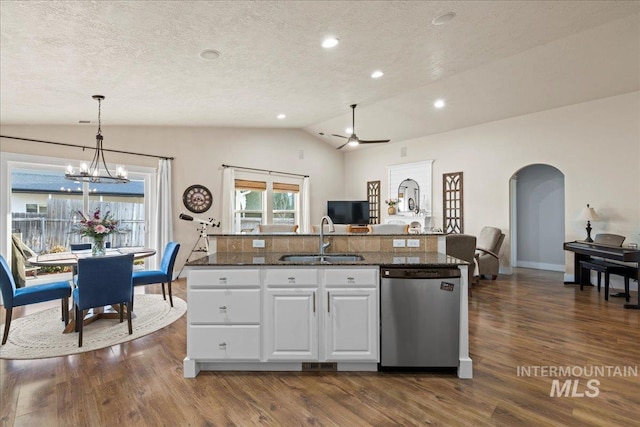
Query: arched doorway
x=537, y=218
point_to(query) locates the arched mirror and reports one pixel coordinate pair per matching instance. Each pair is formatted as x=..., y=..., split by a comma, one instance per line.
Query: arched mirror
x=408, y=196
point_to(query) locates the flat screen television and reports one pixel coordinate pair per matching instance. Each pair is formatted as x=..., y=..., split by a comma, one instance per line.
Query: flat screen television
x=348, y=211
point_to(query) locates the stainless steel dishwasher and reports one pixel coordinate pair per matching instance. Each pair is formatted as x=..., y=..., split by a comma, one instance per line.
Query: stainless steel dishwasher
x=419, y=317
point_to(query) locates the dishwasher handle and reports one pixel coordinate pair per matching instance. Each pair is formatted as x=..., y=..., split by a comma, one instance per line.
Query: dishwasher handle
x=420, y=273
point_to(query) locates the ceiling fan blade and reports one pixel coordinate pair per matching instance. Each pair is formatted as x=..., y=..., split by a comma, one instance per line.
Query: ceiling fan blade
x=373, y=141
x=342, y=145
x=340, y=136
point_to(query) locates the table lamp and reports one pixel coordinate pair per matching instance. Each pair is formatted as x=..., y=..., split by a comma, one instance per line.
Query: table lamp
x=589, y=214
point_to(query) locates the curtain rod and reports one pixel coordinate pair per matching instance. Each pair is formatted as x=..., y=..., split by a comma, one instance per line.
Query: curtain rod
x=264, y=170
x=84, y=147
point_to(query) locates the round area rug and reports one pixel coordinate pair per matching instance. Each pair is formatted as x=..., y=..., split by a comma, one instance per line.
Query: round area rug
x=39, y=335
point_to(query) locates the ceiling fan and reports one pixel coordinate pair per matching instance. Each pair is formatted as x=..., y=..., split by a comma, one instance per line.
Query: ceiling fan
x=353, y=140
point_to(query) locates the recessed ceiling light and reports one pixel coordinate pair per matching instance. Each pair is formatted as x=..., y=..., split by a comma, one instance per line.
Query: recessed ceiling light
x=439, y=103
x=443, y=19
x=210, y=54
x=281, y=116
x=330, y=42
x=377, y=74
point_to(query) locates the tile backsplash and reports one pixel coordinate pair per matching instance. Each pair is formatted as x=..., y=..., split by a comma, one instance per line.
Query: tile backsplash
x=310, y=243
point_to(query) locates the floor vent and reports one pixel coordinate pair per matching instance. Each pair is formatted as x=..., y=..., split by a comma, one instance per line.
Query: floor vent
x=319, y=366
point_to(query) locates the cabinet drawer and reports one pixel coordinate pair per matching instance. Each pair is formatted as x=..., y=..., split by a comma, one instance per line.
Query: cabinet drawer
x=223, y=342
x=224, y=306
x=223, y=278
x=350, y=277
x=291, y=277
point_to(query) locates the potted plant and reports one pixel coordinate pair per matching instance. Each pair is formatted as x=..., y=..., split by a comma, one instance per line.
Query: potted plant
x=392, y=206
x=96, y=227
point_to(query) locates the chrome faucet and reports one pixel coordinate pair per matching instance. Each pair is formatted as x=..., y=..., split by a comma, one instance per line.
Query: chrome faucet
x=332, y=229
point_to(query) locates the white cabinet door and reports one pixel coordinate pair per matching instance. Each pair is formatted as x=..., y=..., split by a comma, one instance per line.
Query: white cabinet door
x=291, y=324
x=350, y=324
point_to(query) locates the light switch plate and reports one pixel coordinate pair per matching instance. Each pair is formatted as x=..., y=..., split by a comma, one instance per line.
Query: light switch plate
x=413, y=243
x=258, y=243
x=398, y=243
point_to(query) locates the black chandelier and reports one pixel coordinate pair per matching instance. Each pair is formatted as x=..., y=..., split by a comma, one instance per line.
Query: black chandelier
x=93, y=172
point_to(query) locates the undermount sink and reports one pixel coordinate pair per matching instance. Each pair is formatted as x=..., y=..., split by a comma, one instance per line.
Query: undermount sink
x=322, y=258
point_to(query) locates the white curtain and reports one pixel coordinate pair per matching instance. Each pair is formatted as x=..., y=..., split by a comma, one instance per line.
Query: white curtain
x=228, y=192
x=306, y=205
x=164, y=209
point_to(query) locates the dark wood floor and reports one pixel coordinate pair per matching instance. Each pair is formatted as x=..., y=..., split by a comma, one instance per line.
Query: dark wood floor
x=524, y=320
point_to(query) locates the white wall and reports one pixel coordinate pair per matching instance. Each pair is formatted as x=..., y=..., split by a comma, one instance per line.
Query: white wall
x=198, y=153
x=595, y=144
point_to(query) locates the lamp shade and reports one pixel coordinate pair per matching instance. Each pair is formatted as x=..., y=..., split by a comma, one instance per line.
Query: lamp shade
x=588, y=214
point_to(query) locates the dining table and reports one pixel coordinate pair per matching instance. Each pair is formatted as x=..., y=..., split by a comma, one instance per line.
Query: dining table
x=70, y=259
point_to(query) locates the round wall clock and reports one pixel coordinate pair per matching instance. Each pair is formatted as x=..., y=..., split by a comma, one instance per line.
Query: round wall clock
x=197, y=198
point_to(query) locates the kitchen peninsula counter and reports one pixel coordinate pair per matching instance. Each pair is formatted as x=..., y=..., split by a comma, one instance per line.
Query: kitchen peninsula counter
x=249, y=311
x=396, y=259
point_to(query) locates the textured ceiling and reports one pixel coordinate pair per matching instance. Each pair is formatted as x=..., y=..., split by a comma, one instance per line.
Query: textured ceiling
x=496, y=59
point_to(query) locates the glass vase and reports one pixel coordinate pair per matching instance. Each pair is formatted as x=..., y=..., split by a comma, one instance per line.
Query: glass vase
x=97, y=248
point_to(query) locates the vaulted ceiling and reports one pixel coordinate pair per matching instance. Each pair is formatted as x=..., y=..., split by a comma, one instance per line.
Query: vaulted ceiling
x=494, y=60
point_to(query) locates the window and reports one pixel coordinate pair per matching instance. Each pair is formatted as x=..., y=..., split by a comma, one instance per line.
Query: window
x=249, y=203
x=285, y=203
x=265, y=200
x=41, y=203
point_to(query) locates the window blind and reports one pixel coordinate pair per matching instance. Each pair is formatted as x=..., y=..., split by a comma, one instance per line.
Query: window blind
x=286, y=188
x=245, y=184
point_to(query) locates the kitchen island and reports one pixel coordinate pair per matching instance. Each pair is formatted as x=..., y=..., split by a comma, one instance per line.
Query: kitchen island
x=252, y=311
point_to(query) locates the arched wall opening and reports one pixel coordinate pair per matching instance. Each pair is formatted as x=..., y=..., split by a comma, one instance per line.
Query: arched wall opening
x=537, y=218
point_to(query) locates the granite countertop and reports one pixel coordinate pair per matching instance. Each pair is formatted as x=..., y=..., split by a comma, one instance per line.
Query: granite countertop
x=410, y=259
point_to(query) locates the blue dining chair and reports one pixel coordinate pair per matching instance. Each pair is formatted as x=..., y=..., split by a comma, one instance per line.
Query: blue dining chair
x=15, y=297
x=102, y=281
x=164, y=275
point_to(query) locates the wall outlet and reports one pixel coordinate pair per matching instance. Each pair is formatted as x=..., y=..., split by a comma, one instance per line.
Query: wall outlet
x=398, y=243
x=258, y=243
x=413, y=243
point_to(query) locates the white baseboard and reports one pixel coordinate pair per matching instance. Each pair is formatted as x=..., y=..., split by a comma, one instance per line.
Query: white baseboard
x=540, y=265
